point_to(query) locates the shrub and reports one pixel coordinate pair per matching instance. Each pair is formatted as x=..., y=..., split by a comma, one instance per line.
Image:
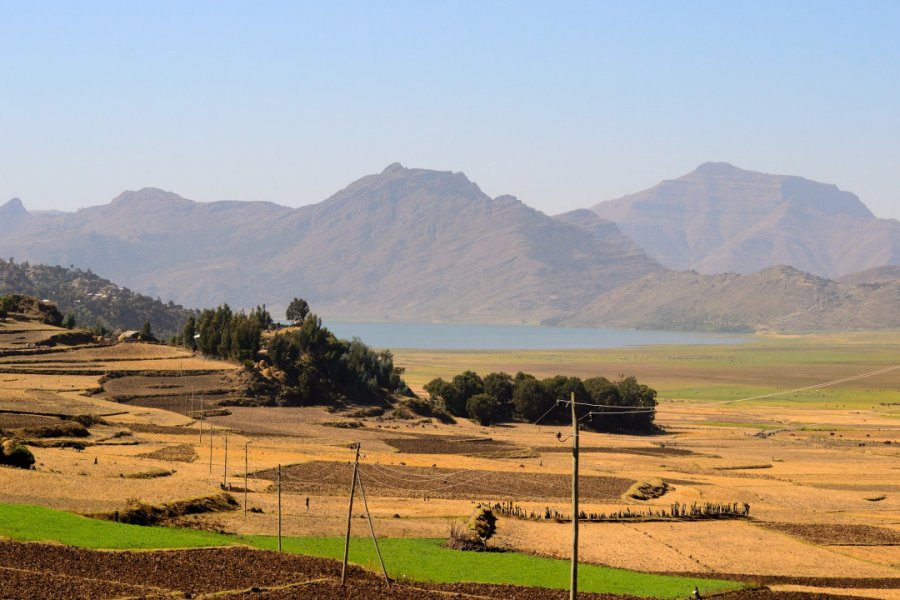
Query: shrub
x=16, y=455
x=429, y=408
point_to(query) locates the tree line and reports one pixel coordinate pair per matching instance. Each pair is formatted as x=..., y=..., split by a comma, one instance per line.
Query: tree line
x=601, y=404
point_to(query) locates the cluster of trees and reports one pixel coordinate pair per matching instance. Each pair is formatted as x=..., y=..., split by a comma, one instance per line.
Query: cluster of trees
x=224, y=333
x=623, y=405
x=319, y=367
x=313, y=366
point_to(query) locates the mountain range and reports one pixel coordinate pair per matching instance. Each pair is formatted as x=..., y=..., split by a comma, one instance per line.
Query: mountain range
x=422, y=245
x=404, y=244
x=722, y=219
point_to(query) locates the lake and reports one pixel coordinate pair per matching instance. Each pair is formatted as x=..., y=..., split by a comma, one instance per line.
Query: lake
x=447, y=336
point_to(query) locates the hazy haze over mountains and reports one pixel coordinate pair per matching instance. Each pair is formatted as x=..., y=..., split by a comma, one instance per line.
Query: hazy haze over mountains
x=720, y=219
x=421, y=245
x=403, y=244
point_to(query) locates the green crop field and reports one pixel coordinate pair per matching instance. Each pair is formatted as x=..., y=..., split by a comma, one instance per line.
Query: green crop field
x=407, y=558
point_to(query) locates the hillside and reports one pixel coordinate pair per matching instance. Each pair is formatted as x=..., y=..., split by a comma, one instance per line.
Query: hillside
x=720, y=219
x=91, y=299
x=404, y=244
x=779, y=298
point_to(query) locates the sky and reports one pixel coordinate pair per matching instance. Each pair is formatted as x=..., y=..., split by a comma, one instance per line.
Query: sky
x=562, y=104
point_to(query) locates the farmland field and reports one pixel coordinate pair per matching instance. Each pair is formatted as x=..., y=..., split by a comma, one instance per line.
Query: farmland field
x=818, y=467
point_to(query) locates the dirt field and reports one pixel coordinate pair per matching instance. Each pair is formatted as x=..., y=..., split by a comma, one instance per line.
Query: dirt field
x=403, y=481
x=821, y=478
x=39, y=571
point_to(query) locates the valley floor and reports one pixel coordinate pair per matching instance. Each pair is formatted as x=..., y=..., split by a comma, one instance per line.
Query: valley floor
x=819, y=468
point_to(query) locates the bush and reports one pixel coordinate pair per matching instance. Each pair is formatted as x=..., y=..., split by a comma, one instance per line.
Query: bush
x=483, y=408
x=429, y=408
x=15, y=454
x=483, y=524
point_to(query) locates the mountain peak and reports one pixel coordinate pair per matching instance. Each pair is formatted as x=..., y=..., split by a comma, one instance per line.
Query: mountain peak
x=394, y=168
x=13, y=206
x=717, y=169
x=148, y=195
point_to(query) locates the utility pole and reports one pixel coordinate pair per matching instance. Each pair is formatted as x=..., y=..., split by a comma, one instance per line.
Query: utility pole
x=279, y=508
x=225, y=470
x=245, y=478
x=350, y=516
x=362, y=492
x=201, y=422
x=574, y=584
x=210, y=448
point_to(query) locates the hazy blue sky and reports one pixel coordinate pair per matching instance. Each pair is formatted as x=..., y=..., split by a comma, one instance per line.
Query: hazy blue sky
x=560, y=104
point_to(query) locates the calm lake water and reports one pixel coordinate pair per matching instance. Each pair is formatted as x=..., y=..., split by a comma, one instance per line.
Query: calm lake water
x=445, y=336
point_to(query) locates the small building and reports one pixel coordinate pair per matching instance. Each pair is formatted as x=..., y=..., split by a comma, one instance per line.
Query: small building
x=129, y=336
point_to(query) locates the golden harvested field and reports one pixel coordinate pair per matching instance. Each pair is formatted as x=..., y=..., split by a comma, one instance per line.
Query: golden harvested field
x=820, y=469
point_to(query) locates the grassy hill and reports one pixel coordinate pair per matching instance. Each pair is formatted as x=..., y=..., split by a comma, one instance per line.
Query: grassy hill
x=92, y=300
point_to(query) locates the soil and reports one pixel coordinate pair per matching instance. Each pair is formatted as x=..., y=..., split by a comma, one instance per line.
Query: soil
x=831, y=534
x=483, y=447
x=875, y=583
x=38, y=571
x=161, y=429
x=181, y=453
x=17, y=421
x=329, y=478
x=637, y=451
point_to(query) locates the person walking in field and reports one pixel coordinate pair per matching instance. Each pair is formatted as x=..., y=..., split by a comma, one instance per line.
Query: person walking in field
x=696, y=594
x=307, y=505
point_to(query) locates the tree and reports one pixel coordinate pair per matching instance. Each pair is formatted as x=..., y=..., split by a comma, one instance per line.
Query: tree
x=561, y=387
x=466, y=384
x=297, y=311
x=530, y=398
x=447, y=393
x=483, y=408
x=69, y=321
x=500, y=386
x=147, y=333
x=188, y=332
x=641, y=398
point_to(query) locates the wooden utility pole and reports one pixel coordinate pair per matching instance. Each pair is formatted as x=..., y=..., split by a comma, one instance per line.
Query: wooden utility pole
x=210, y=448
x=362, y=492
x=574, y=584
x=279, y=508
x=201, y=422
x=245, y=477
x=350, y=516
x=225, y=470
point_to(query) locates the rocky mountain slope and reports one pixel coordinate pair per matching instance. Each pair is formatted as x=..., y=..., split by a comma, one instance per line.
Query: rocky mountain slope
x=405, y=244
x=778, y=298
x=720, y=219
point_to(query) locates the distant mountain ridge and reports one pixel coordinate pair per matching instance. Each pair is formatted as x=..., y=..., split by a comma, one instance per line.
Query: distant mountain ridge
x=720, y=219
x=404, y=244
x=775, y=299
